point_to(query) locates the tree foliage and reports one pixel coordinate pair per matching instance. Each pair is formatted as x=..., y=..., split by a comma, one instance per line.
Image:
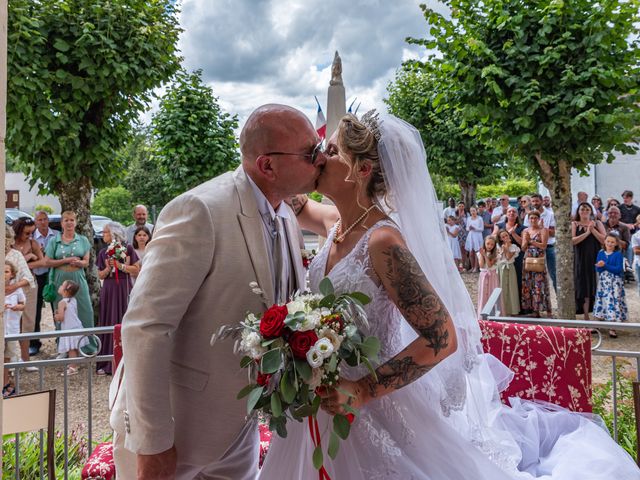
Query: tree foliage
x=552, y=81
x=195, y=139
x=143, y=177
x=418, y=95
x=115, y=203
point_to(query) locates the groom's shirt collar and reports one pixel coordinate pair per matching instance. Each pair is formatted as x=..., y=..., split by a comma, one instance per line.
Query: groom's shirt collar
x=264, y=207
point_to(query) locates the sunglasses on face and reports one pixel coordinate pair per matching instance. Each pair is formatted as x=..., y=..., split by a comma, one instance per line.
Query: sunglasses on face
x=312, y=157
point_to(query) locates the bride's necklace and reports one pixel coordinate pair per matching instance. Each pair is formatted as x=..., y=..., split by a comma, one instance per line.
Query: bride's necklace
x=340, y=235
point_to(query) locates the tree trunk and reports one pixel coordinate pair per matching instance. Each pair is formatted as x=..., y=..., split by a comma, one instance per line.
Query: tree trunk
x=468, y=191
x=558, y=180
x=76, y=197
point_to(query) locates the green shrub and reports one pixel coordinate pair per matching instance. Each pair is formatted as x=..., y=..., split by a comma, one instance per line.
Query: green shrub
x=44, y=208
x=603, y=406
x=30, y=455
x=114, y=203
x=512, y=187
x=315, y=196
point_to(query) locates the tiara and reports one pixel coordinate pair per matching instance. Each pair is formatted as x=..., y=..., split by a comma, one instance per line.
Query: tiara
x=370, y=121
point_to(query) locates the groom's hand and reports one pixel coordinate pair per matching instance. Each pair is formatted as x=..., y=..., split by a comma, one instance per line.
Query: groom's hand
x=161, y=466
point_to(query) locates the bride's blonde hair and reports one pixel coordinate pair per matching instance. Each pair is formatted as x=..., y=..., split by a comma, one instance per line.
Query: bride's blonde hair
x=357, y=144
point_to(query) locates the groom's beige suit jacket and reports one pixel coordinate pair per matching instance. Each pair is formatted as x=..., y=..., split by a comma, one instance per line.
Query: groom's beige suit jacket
x=208, y=245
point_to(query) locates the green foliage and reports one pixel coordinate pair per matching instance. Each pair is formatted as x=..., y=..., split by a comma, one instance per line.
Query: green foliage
x=603, y=406
x=80, y=72
x=315, y=196
x=195, y=139
x=44, y=208
x=419, y=96
x=554, y=81
x=143, y=177
x=30, y=455
x=511, y=186
x=115, y=203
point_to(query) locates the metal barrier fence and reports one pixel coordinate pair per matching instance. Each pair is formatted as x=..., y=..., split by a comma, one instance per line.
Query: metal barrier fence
x=41, y=365
x=491, y=312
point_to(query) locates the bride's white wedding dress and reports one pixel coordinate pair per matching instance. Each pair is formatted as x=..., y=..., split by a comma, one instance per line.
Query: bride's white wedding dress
x=404, y=436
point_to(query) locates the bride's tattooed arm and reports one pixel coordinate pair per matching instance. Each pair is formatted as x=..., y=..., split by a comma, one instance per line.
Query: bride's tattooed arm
x=420, y=305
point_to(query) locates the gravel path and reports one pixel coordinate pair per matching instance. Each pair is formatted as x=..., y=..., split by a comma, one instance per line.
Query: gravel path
x=78, y=391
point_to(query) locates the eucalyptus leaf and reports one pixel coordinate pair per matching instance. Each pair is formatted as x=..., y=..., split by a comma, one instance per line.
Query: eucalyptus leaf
x=317, y=457
x=245, y=391
x=334, y=445
x=253, y=399
x=303, y=369
x=326, y=287
x=246, y=361
x=276, y=405
x=271, y=361
x=341, y=426
x=287, y=390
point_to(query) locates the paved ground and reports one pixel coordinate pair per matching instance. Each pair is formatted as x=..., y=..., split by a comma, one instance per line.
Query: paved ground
x=78, y=391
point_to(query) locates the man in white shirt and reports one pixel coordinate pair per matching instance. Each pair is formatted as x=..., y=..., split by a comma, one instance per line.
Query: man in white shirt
x=450, y=211
x=583, y=197
x=549, y=221
x=43, y=234
x=140, y=215
x=499, y=213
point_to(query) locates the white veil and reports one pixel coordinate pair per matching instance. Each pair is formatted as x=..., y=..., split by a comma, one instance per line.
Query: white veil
x=462, y=385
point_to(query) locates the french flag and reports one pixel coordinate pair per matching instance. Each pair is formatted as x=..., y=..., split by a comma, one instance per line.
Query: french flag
x=321, y=122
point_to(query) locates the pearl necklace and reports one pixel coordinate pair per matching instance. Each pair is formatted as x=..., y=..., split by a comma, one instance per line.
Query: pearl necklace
x=340, y=235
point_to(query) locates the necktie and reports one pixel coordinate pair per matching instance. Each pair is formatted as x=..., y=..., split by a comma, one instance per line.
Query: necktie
x=281, y=280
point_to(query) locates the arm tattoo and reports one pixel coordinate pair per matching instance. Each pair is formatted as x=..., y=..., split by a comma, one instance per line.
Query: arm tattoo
x=417, y=299
x=297, y=203
x=395, y=374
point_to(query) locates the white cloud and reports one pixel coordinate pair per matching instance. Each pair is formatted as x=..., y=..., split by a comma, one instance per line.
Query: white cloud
x=256, y=52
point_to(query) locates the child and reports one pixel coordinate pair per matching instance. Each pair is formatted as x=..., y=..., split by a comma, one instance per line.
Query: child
x=453, y=229
x=67, y=315
x=610, y=304
x=13, y=306
x=507, y=254
x=487, y=260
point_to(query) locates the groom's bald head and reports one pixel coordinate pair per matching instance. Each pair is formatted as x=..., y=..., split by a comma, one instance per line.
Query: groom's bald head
x=270, y=128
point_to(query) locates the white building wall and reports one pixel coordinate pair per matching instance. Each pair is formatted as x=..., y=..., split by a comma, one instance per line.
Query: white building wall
x=29, y=197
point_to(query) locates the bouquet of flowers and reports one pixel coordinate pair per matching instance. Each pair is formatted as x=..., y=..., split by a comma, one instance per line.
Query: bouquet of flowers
x=291, y=350
x=118, y=253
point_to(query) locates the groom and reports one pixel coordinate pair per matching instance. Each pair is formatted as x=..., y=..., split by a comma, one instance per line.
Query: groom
x=176, y=411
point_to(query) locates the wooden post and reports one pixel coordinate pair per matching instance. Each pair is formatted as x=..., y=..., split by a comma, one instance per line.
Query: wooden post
x=636, y=405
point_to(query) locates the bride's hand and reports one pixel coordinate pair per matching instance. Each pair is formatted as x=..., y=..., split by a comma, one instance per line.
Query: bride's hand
x=346, y=392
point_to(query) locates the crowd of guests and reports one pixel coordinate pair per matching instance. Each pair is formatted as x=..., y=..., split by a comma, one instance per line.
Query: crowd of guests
x=514, y=247
x=39, y=258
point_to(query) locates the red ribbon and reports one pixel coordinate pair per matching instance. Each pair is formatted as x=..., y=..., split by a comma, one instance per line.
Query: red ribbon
x=314, y=430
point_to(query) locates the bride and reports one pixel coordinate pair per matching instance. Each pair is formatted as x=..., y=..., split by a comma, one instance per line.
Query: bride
x=434, y=411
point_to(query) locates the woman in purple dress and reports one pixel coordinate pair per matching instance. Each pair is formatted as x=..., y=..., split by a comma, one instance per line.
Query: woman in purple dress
x=116, y=263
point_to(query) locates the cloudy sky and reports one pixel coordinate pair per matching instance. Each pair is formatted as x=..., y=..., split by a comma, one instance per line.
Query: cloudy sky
x=254, y=52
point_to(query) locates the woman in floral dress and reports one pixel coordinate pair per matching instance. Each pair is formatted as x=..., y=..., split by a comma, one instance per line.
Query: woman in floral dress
x=461, y=220
x=611, y=304
x=535, y=296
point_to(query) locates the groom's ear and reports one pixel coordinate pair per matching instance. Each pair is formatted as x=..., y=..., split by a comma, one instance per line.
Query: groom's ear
x=265, y=166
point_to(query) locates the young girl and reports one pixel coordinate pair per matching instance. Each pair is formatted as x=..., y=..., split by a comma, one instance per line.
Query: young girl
x=67, y=315
x=507, y=254
x=473, y=244
x=610, y=305
x=487, y=259
x=13, y=307
x=453, y=230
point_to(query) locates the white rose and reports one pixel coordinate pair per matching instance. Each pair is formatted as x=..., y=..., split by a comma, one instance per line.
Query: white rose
x=325, y=347
x=296, y=306
x=314, y=357
x=311, y=321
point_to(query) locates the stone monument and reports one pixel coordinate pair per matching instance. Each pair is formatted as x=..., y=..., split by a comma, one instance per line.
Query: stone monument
x=336, y=98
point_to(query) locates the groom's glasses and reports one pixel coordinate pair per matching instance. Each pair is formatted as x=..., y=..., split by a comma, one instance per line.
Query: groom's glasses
x=313, y=156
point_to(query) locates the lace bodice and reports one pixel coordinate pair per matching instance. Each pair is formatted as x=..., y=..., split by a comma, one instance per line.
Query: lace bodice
x=354, y=273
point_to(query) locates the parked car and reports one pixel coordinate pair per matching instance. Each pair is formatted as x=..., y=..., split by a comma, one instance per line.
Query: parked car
x=97, y=221
x=11, y=214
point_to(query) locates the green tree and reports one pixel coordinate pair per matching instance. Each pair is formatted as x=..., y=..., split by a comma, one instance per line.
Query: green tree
x=143, y=177
x=115, y=203
x=195, y=139
x=418, y=95
x=552, y=81
x=79, y=73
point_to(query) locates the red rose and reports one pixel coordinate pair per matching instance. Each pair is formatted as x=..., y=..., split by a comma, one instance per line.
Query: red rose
x=263, y=379
x=301, y=343
x=272, y=322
